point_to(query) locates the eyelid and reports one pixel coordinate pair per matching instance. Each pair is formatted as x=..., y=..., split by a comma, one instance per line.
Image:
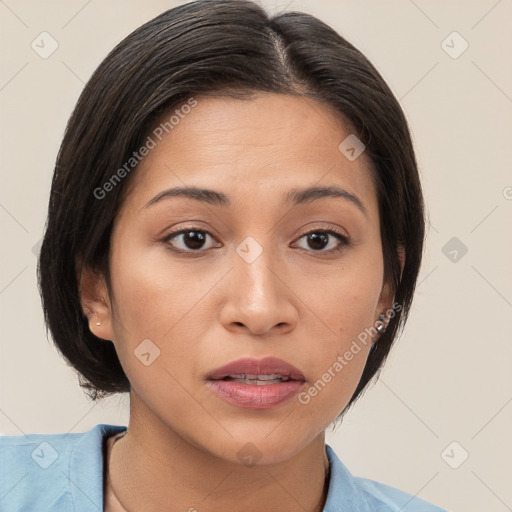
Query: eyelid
x=328, y=227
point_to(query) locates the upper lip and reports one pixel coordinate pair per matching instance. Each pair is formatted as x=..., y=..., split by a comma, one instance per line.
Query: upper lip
x=265, y=366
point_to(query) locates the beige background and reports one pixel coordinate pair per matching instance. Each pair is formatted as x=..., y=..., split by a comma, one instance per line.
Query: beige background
x=449, y=378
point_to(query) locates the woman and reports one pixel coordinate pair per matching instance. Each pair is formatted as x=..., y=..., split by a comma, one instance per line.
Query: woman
x=234, y=234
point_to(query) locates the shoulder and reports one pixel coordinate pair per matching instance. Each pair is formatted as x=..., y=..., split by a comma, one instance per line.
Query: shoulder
x=46, y=472
x=350, y=493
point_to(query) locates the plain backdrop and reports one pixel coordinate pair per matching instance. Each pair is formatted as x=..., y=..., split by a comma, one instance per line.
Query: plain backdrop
x=437, y=423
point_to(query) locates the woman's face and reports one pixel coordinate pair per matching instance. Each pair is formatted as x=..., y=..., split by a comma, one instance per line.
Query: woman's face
x=245, y=280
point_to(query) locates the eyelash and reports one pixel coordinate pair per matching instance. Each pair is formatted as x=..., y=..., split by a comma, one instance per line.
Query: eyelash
x=330, y=230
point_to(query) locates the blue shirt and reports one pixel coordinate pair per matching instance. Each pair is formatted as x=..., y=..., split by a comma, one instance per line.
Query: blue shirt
x=64, y=473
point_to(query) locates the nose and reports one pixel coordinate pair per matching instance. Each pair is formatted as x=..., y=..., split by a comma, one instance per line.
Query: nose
x=259, y=299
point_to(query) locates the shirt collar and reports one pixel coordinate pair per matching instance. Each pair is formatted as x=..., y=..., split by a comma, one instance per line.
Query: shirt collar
x=85, y=480
x=343, y=494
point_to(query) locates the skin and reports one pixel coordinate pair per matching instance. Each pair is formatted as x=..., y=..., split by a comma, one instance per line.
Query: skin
x=203, y=309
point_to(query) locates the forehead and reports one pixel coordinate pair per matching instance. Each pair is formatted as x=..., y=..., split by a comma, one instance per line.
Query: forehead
x=253, y=149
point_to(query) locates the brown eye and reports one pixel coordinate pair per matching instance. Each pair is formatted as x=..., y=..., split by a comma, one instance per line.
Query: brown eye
x=319, y=239
x=188, y=240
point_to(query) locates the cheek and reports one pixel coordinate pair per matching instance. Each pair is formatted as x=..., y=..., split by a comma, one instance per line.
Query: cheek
x=331, y=389
x=166, y=303
x=155, y=326
x=155, y=293
x=348, y=296
x=337, y=357
x=340, y=337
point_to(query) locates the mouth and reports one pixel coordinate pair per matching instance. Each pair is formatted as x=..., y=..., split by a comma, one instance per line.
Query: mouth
x=256, y=384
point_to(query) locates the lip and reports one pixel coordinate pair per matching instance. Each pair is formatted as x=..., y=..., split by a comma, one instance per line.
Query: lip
x=254, y=396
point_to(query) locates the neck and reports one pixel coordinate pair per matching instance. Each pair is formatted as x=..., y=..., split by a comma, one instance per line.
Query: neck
x=154, y=468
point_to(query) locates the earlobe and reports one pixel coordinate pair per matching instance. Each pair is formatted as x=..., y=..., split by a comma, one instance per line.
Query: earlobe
x=95, y=302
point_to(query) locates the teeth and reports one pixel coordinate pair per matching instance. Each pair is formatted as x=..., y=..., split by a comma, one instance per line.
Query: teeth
x=272, y=376
x=248, y=378
x=251, y=376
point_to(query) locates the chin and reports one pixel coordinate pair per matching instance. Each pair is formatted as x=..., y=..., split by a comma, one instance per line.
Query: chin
x=258, y=448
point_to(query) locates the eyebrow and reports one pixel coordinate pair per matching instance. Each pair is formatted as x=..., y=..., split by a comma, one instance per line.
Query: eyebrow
x=293, y=197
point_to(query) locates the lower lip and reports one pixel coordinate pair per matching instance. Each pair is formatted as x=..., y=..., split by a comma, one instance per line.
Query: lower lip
x=253, y=396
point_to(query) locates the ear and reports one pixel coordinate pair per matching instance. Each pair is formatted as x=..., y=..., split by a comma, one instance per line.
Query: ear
x=387, y=296
x=95, y=302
